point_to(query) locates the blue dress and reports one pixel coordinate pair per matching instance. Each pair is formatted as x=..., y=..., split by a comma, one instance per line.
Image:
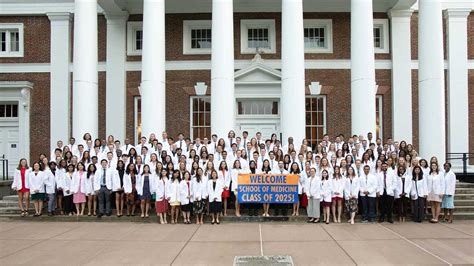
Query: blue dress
x=146, y=195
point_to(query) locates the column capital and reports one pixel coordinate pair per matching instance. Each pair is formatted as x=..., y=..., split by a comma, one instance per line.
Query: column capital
x=456, y=13
x=116, y=17
x=400, y=13
x=59, y=16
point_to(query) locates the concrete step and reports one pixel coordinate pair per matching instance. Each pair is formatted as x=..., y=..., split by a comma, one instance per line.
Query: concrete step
x=464, y=185
x=463, y=197
x=464, y=190
x=12, y=204
x=464, y=202
x=11, y=198
x=464, y=209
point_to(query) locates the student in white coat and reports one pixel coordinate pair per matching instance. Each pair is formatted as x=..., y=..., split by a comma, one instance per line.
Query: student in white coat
x=104, y=186
x=368, y=192
x=337, y=181
x=312, y=188
x=21, y=186
x=161, y=184
x=78, y=187
x=215, y=187
x=186, y=197
x=450, y=188
x=436, y=190
x=199, y=195
x=91, y=189
x=129, y=187
x=402, y=192
x=280, y=208
x=36, y=181
x=295, y=170
x=326, y=195
x=351, y=193
x=173, y=195
x=225, y=177
x=117, y=187
x=64, y=184
x=145, y=188
x=50, y=183
x=418, y=194
x=387, y=185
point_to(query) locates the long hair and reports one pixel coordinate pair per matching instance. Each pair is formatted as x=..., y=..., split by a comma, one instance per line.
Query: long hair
x=19, y=164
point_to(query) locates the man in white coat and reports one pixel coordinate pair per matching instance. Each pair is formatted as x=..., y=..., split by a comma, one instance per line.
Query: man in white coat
x=368, y=193
x=104, y=183
x=387, y=185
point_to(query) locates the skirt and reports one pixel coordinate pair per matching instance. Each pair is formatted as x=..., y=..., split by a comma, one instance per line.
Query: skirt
x=186, y=207
x=38, y=196
x=175, y=203
x=162, y=206
x=351, y=205
x=24, y=190
x=226, y=194
x=336, y=198
x=199, y=206
x=79, y=197
x=215, y=207
x=326, y=204
x=448, y=202
x=434, y=197
x=132, y=198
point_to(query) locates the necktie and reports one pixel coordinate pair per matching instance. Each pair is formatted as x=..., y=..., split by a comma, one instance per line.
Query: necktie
x=358, y=172
x=126, y=147
x=385, y=180
x=180, y=144
x=103, y=178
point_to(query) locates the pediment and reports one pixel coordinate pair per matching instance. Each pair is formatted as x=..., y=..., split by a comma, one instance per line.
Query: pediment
x=257, y=72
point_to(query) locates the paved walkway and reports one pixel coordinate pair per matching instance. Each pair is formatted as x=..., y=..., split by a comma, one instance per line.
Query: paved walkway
x=71, y=243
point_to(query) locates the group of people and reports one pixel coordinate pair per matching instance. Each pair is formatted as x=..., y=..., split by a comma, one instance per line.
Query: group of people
x=198, y=177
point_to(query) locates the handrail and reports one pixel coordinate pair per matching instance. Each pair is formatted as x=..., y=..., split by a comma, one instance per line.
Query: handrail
x=465, y=157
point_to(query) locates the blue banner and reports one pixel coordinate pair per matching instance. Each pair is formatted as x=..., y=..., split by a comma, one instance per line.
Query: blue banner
x=265, y=188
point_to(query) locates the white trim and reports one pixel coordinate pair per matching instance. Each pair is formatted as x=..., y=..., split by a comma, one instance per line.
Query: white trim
x=269, y=24
x=132, y=27
x=323, y=96
x=383, y=24
x=38, y=8
x=8, y=27
x=379, y=101
x=191, y=98
x=327, y=25
x=189, y=25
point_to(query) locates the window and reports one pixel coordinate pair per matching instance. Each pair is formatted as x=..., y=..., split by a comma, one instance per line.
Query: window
x=257, y=33
x=9, y=110
x=197, y=36
x=134, y=38
x=11, y=40
x=381, y=39
x=379, y=116
x=259, y=107
x=201, y=117
x=315, y=119
x=318, y=35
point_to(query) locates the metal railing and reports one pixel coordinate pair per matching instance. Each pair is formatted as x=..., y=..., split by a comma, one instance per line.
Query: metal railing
x=4, y=162
x=464, y=156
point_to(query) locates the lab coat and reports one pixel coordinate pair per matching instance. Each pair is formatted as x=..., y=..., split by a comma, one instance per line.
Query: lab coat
x=50, y=182
x=391, y=183
x=449, y=183
x=199, y=189
x=436, y=183
x=172, y=193
x=78, y=182
x=127, y=183
x=225, y=177
x=235, y=178
x=185, y=192
x=116, y=180
x=215, y=195
x=160, y=188
x=351, y=189
x=151, y=183
x=326, y=190
x=36, y=182
x=108, y=178
x=418, y=189
x=407, y=187
x=64, y=183
x=337, y=186
x=313, y=187
x=17, y=184
x=90, y=183
x=368, y=183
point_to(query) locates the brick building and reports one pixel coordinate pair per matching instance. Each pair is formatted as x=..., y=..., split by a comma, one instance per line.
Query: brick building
x=400, y=68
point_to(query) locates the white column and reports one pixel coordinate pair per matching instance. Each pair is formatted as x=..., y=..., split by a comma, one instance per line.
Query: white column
x=363, y=87
x=85, y=86
x=401, y=75
x=60, y=78
x=153, y=86
x=116, y=76
x=293, y=71
x=458, y=97
x=222, y=68
x=431, y=103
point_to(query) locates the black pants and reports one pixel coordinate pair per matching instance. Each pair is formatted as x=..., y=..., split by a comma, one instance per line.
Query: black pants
x=68, y=205
x=280, y=209
x=386, y=206
x=419, y=211
x=368, y=208
x=403, y=203
x=104, y=199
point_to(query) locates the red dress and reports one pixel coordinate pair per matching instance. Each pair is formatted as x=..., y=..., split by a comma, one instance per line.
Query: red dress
x=23, y=177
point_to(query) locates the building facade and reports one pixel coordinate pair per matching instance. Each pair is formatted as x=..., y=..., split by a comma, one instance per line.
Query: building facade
x=400, y=68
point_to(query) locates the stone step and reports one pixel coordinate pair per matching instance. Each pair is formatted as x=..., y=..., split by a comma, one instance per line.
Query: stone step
x=12, y=204
x=11, y=198
x=464, y=185
x=464, y=209
x=463, y=197
x=464, y=202
x=464, y=190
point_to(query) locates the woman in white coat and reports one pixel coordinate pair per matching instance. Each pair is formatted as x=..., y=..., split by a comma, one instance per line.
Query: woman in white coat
x=326, y=195
x=173, y=195
x=21, y=186
x=199, y=195
x=312, y=188
x=235, y=171
x=161, y=184
x=337, y=183
x=351, y=193
x=36, y=181
x=225, y=177
x=91, y=189
x=145, y=189
x=185, y=195
x=215, y=187
x=117, y=187
x=436, y=191
x=450, y=188
x=79, y=188
x=402, y=192
x=418, y=193
x=50, y=183
x=64, y=183
x=295, y=170
x=130, y=188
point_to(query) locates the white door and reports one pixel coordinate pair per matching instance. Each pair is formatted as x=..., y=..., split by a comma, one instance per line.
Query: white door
x=9, y=145
x=267, y=129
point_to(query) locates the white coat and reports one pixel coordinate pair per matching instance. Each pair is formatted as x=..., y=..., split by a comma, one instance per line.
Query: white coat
x=351, y=189
x=418, y=189
x=235, y=178
x=225, y=177
x=278, y=171
x=368, y=183
x=391, y=183
x=185, y=192
x=127, y=183
x=64, y=183
x=215, y=195
x=401, y=188
x=172, y=193
x=141, y=181
x=199, y=189
x=435, y=183
x=337, y=186
x=108, y=178
x=50, y=182
x=160, y=188
x=36, y=182
x=449, y=183
x=326, y=190
x=17, y=184
x=116, y=180
x=77, y=182
x=312, y=187
x=89, y=183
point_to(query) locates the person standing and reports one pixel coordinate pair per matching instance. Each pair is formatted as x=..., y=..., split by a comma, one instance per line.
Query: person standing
x=145, y=189
x=21, y=186
x=104, y=183
x=418, y=194
x=79, y=188
x=450, y=188
x=36, y=181
x=387, y=183
x=403, y=192
x=215, y=187
x=312, y=188
x=436, y=190
x=368, y=192
x=351, y=193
